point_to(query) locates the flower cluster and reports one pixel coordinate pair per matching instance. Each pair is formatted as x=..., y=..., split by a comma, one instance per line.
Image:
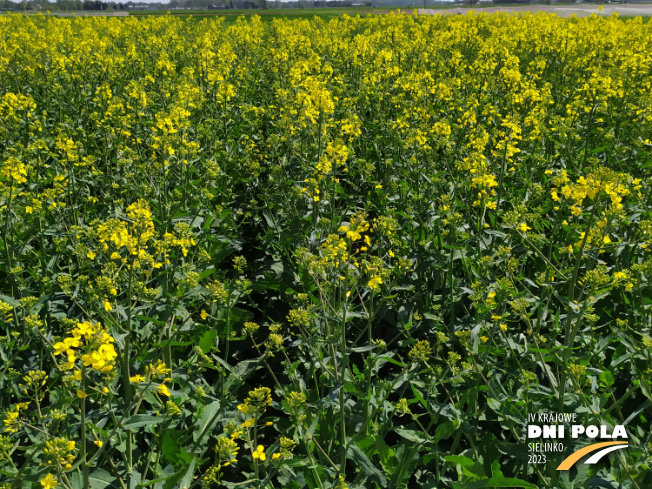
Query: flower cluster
x=90, y=342
x=256, y=403
x=61, y=452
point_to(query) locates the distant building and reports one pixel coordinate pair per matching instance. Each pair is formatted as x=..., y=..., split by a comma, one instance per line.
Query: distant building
x=142, y=6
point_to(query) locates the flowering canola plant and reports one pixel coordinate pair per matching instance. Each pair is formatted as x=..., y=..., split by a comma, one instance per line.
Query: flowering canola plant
x=345, y=253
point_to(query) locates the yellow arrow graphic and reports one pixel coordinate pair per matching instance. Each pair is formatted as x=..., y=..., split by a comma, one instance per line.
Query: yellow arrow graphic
x=574, y=457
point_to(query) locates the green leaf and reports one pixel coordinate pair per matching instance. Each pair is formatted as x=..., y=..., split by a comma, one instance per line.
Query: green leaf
x=271, y=222
x=459, y=460
x=173, y=343
x=206, y=421
x=187, y=478
x=494, y=404
x=170, y=447
x=100, y=479
x=470, y=468
x=9, y=300
x=495, y=482
x=207, y=341
x=141, y=420
x=406, y=456
x=76, y=480
x=367, y=467
x=578, y=478
x=206, y=273
x=444, y=431
x=158, y=322
x=412, y=435
x=311, y=480
x=391, y=360
x=606, y=378
x=182, y=478
x=418, y=396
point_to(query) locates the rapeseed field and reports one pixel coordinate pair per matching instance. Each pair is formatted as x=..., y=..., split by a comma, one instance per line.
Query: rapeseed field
x=363, y=253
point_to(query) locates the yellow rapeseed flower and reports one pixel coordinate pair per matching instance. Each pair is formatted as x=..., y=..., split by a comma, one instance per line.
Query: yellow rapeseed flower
x=259, y=453
x=249, y=422
x=11, y=422
x=375, y=282
x=524, y=228
x=49, y=482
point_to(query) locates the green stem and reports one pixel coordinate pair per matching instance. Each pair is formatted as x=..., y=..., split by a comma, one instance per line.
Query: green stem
x=255, y=447
x=83, y=433
x=569, y=336
x=343, y=367
x=369, y=365
x=228, y=335
x=313, y=465
x=125, y=364
x=6, y=232
x=450, y=278
x=503, y=169
x=42, y=257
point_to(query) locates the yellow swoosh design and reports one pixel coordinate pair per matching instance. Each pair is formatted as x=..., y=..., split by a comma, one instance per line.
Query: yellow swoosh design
x=574, y=457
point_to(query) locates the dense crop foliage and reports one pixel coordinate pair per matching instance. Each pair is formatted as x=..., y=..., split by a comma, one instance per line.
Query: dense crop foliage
x=309, y=254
